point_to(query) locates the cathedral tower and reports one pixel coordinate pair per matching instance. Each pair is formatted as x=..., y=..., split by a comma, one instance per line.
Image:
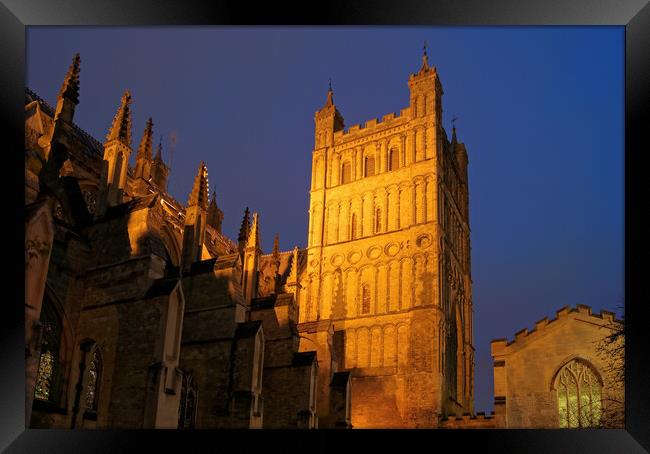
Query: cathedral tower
x=388, y=260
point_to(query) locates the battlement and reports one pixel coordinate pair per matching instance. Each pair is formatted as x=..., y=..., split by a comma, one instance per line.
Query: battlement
x=375, y=123
x=499, y=345
x=478, y=421
x=467, y=417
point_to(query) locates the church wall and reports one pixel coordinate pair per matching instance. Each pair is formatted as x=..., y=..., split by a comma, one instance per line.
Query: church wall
x=525, y=369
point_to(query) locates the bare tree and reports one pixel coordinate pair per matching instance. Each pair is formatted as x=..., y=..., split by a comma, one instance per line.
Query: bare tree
x=611, y=348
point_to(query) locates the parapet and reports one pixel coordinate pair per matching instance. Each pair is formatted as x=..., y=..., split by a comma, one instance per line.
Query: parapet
x=375, y=123
x=499, y=345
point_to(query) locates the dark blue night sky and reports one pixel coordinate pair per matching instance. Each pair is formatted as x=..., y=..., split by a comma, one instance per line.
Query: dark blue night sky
x=540, y=109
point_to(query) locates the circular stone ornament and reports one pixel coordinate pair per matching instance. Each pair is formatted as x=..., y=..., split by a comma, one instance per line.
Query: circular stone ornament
x=392, y=249
x=423, y=241
x=373, y=252
x=354, y=256
x=337, y=260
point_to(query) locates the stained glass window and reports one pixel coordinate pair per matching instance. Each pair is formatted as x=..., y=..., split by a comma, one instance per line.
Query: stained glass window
x=94, y=378
x=46, y=377
x=579, y=395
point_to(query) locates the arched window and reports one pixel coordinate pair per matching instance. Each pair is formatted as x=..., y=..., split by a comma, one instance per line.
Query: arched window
x=578, y=395
x=370, y=166
x=393, y=159
x=188, y=404
x=353, y=227
x=47, y=377
x=346, y=172
x=365, y=299
x=378, y=220
x=94, y=379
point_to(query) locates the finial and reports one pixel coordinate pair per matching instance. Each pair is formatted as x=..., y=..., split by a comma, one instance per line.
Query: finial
x=330, y=95
x=425, y=59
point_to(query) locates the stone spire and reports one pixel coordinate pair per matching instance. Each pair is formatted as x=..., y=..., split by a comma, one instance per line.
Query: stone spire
x=275, y=264
x=251, y=259
x=117, y=150
x=254, y=234
x=159, y=171
x=158, y=157
x=144, y=150
x=292, y=284
x=243, y=230
x=199, y=194
x=195, y=220
x=121, y=127
x=276, y=247
x=143, y=159
x=215, y=215
x=68, y=96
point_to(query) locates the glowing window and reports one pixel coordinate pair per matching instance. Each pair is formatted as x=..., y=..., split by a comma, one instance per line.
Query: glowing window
x=579, y=395
x=48, y=366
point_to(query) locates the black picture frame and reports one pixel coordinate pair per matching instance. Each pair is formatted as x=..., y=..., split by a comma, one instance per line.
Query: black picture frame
x=634, y=15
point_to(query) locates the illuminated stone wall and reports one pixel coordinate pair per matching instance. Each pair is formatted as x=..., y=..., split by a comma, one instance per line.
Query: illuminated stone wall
x=388, y=261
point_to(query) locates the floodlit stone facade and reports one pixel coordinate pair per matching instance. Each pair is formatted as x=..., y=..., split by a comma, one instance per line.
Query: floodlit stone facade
x=140, y=312
x=386, y=292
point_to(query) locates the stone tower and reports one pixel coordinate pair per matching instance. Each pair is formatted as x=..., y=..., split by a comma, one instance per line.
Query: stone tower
x=388, y=271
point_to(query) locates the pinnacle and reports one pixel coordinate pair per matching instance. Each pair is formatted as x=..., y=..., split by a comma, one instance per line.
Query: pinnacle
x=245, y=225
x=70, y=86
x=199, y=194
x=144, y=151
x=121, y=127
x=253, y=235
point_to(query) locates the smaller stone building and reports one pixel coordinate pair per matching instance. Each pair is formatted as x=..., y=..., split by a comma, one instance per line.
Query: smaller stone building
x=556, y=376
